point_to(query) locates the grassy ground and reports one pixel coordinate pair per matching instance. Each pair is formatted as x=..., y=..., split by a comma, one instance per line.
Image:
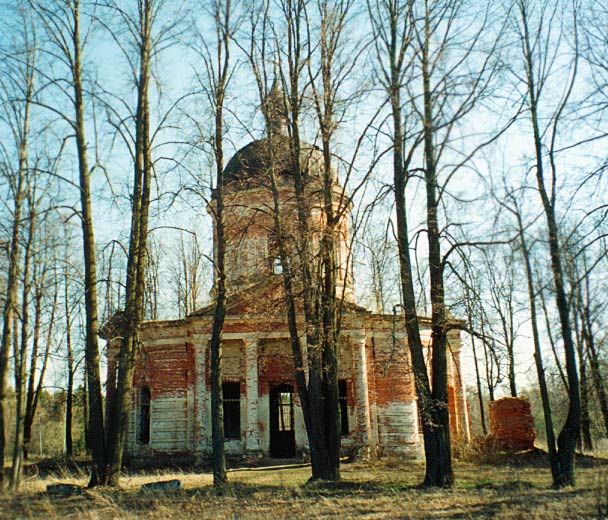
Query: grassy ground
x=506, y=489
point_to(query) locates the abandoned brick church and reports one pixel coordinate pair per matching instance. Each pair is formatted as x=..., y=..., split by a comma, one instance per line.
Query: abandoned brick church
x=170, y=411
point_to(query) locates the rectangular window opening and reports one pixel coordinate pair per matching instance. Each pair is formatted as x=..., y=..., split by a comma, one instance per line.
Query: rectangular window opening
x=342, y=399
x=232, y=410
x=144, y=415
x=285, y=412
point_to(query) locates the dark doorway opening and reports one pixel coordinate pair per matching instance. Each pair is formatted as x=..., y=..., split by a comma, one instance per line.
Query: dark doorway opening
x=232, y=410
x=282, y=434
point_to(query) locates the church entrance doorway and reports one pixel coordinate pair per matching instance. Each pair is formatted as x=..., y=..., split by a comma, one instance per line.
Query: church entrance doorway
x=282, y=434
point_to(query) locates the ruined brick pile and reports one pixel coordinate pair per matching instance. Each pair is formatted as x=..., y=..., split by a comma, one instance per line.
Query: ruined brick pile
x=511, y=424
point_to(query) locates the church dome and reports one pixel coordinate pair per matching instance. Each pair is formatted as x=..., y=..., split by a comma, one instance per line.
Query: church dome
x=251, y=164
x=250, y=167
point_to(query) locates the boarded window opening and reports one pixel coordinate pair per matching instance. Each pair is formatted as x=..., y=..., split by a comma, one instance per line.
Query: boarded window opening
x=144, y=415
x=343, y=402
x=232, y=410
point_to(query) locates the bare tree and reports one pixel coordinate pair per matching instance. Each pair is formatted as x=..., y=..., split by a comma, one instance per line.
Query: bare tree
x=337, y=58
x=153, y=275
x=424, y=54
x=187, y=275
x=214, y=83
x=63, y=25
x=71, y=369
x=20, y=349
x=46, y=295
x=536, y=24
x=474, y=315
x=17, y=88
x=511, y=203
x=140, y=28
x=283, y=113
x=588, y=305
x=502, y=284
x=306, y=244
x=585, y=441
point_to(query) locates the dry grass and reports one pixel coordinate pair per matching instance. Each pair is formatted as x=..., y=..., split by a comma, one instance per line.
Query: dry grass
x=385, y=489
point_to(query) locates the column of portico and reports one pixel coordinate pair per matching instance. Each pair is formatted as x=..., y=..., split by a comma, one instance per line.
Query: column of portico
x=252, y=437
x=358, y=339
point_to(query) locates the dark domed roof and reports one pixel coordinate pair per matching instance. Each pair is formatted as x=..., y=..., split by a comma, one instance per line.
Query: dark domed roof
x=252, y=163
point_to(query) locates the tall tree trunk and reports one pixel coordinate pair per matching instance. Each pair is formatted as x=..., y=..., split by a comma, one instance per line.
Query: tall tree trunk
x=436, y=433
x=12, y=279
x=20, y=350
x=538, y=357
x=432, y=398
x=218, y=68
x=568, y=436
x=95, y=419
x=333, y=18
x=28, y=418
x=598, y=380
x=311, y=393
x=35, y=389
x=136, y=263
x=585, y=441
x=482, y=413
x=217, y=411
x=592, y=354
x=69, y=447
x=319, y=455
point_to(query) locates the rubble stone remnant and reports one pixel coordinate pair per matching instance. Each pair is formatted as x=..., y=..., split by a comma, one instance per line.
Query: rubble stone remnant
x=511, y=424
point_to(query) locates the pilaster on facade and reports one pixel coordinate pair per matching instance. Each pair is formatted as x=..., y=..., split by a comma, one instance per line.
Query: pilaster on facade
x=459, y=411
x=190, y=399
x=201, y=438
x=252, y=434
x=362, y=404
